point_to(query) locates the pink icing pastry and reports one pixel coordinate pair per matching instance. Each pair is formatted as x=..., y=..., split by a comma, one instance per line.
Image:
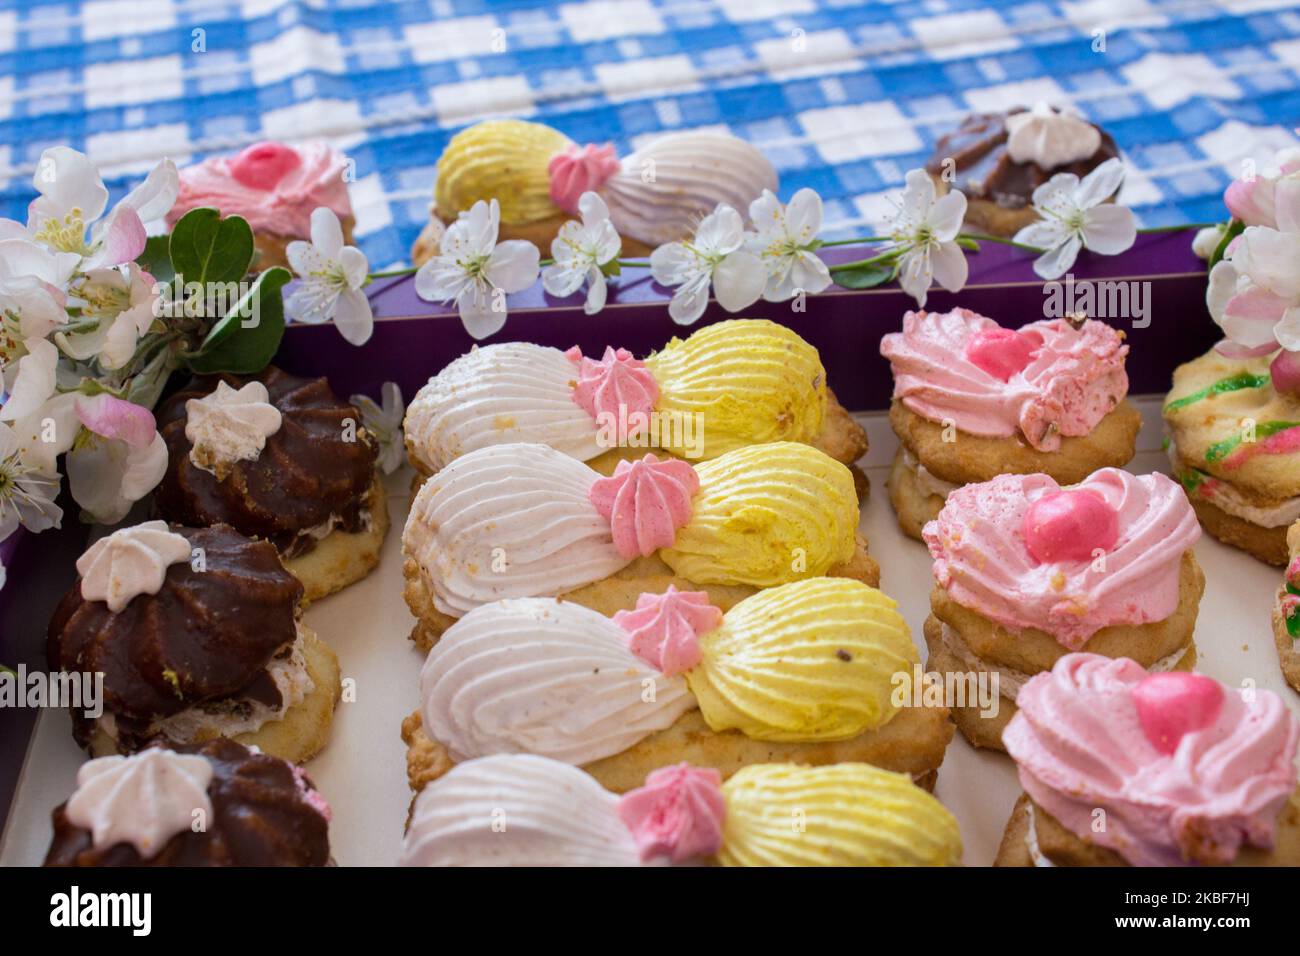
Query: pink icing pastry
x=948, y=367
x=1070, y=526
x=617, y=388
x=274, y=186
x=982, y=558
x=678, y=813
x=1172, y=705
x=1081, y=743
x=645, y=502
x=1001, y=352
x=664, y=630
x=580, y=169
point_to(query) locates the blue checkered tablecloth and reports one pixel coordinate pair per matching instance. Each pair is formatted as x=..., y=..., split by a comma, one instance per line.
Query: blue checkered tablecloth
x=843, y=96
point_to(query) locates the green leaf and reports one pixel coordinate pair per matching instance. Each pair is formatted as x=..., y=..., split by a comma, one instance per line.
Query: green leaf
x=1235, y=229
x=864, y=277
x=206, y=248
x=233, y=345
x=157, y=258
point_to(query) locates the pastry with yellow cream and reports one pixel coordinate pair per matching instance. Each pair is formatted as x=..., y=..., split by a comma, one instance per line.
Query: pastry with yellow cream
x=655, y=195
x=773, y=814
x=735, y=383
x=813, y=672
x=525, y=520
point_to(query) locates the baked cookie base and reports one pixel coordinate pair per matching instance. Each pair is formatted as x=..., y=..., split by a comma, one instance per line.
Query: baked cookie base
x=1266, y=544
x=619, y=591
x=1063, y=848
x=340, y=558
x=973, y=458
x=913, y=507
x=1033, y=651
x=912, y=742
x=302, y=732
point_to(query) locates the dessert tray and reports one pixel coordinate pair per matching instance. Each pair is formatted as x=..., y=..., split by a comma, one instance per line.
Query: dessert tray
x=362, y=769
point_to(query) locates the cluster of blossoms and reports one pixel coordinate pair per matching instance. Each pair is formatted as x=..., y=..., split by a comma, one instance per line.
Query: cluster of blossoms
x=776, y=260
x=89, y=337
x=82, y=354
x=1254, y=291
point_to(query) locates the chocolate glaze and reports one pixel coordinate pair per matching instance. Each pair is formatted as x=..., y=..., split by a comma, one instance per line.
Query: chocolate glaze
x=206, y=635
x=985, y=170
x=260, y=817
x=306, y=474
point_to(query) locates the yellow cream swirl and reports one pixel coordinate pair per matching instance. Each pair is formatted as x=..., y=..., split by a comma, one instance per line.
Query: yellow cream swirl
x=504, y=160
x=767, y=515
x=847, y=814
x=812, y=660
x=748, y=380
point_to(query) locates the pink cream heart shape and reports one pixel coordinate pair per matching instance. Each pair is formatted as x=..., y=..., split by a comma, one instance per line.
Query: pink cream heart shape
x=1172, y=705
x=1001, y=352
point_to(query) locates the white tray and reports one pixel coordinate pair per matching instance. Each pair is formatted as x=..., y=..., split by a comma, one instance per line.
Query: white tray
x=362, y=771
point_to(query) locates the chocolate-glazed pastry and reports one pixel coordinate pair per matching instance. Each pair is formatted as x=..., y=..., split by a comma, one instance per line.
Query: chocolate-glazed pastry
x=979, y=161
x=277, y=457
x=256, y=810
x=197, y=634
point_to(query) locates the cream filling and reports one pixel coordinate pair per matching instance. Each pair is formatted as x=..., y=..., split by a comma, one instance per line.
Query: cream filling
x=1010, y=681
x=1031, y=840
x=925, y=480
x=233, y=716
x=323, y=530
x=1229, y=499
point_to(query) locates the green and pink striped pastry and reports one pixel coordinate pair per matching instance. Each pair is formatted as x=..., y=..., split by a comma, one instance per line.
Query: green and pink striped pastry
x=1234, y=443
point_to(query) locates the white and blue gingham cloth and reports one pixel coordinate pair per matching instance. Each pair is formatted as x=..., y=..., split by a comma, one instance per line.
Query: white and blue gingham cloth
x=843, y=96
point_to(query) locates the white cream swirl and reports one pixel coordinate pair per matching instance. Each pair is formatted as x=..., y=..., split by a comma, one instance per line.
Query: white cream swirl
x=665, y=188
x=145, y=799
x=130, y=562
x=230, y=425
x=508, y=521
x=546, y=677
x=511, y=392
x=1049, y=137
x=517, y=810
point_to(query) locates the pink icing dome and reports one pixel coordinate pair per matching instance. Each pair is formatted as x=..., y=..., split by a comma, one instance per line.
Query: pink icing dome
x=949, y=366
x=617, y=382
x=1081, y=743
x=679, y=813
x=664, y=630
x=982, y=558
x=646, y=502
x=580, y=169
x=274, y=186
